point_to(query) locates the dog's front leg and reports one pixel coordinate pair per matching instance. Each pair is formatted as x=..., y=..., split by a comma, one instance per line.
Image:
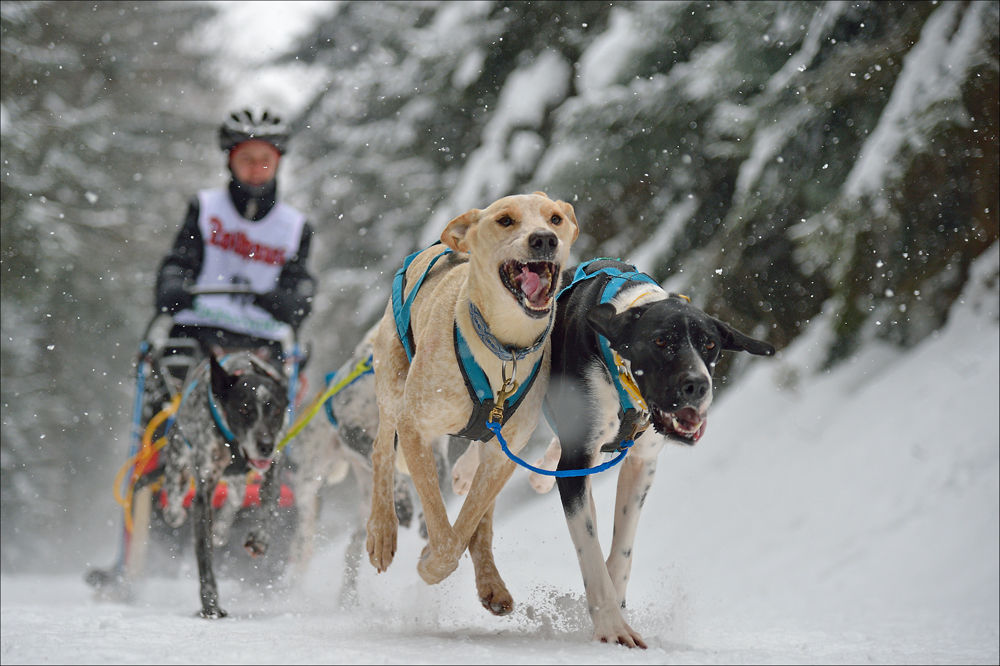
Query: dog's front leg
x=492, y=474
x=270, y=493
x=634, y=482
x=383, y=525
x=602, y=598
x=441, y=554
x=493, y=593
x=226, y=515
x=201, y=510
x=176, y=479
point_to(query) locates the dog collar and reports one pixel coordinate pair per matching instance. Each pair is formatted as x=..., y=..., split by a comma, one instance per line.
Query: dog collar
x=508, y=353
x=634, y=413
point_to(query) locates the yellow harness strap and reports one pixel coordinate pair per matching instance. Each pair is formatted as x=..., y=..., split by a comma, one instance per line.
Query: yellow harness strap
x=361, y=368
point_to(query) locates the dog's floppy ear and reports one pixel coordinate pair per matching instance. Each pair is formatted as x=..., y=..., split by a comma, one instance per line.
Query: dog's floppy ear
x=571, y=214
x=733, y=340
x=221, y=380
x=454, y=234
x=617, y=328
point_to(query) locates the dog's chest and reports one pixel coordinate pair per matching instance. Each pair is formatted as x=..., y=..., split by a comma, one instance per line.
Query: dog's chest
x=207, y=446
x=602, y=398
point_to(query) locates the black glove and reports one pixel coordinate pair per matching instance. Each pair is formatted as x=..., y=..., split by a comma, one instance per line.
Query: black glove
x=172, y=293
x=287, y=305
x=273, y=302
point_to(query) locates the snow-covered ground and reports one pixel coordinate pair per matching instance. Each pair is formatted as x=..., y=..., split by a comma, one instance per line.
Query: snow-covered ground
x=837, y=517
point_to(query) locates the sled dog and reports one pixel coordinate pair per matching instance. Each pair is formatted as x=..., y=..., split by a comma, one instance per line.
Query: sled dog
x=463, y=349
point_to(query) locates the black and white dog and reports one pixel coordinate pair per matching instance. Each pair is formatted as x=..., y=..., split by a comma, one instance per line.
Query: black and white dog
x=625, y=355
x=229, y=421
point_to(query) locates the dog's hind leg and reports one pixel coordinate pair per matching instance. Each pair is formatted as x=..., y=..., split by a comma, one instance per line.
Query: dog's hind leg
x=356, y=546
x=201, y=513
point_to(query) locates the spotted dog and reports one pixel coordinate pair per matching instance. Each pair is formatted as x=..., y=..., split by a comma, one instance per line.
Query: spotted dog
x=229, y=421
x=625, y=355
x=465, y=317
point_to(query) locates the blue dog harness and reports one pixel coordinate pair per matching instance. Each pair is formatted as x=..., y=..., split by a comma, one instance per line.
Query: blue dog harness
x=630, y=412
x=480, y=391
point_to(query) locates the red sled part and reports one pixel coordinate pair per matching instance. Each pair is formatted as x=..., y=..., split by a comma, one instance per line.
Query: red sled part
x=154, y=462
x=251, y=497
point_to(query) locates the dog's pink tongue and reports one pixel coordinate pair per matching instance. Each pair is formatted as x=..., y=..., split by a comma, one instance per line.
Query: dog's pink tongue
x=531, y=285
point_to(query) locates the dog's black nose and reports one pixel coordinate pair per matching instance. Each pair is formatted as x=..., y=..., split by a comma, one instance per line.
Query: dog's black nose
x=694, y=387
x=264, y=448
x=543, y=242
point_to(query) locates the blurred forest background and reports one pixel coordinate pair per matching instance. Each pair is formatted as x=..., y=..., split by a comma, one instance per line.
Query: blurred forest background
x=782, y=163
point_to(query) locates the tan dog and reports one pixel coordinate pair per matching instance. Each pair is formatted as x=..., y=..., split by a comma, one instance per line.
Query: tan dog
x=506, y=261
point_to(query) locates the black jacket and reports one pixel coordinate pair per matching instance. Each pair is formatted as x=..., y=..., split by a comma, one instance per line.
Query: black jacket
x=290, y=302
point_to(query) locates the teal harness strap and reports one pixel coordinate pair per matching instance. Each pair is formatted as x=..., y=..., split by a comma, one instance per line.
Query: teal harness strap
x=616, y=279
x=220, y=422
x=476, y=382
x=481, y=392
x=401, y=307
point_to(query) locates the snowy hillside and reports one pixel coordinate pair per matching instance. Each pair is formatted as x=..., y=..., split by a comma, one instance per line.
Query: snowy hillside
x=833, y=517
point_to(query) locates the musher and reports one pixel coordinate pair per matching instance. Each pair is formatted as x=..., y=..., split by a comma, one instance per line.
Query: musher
x=240, y=235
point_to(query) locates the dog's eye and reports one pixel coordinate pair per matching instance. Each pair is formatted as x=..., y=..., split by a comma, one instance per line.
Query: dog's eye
x=660, y=342
x=505, y=221
x=556, y=220
x=710, y=345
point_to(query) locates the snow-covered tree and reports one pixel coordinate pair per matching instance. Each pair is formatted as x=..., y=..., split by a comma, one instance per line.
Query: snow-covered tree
x=105, y=129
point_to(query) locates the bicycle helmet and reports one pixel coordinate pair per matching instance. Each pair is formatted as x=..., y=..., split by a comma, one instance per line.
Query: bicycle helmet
x=243, y=125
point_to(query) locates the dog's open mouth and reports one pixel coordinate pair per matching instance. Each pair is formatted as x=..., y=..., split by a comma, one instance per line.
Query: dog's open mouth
x=685, y=425
x=531, y=283
x=260, y=464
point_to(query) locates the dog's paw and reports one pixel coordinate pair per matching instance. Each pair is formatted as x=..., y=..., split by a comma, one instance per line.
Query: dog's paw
x=618, y=632
x=212, y=613
x=542, y=483
x=256, y=543
x=174, y=516
x=435, y=566
x=464, y=470
x=381, y=542
x=111, y=585
x=495, y=598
